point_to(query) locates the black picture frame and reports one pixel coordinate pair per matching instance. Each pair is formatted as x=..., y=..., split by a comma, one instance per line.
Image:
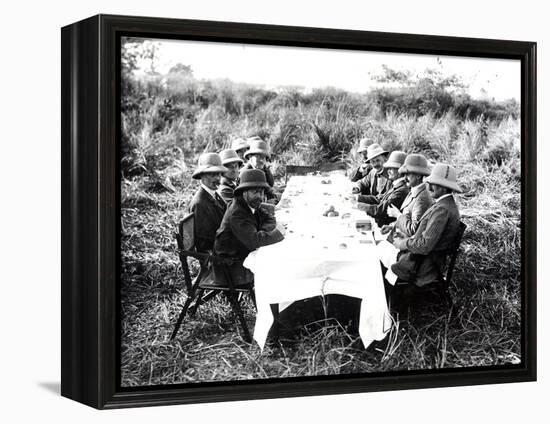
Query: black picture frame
x=91, y=214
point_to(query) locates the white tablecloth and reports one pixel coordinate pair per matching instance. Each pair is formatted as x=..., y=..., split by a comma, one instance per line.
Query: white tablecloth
x=387, y=253
x=320, y=255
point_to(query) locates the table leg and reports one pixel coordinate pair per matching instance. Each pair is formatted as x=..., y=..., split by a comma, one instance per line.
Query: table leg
x=275, y=327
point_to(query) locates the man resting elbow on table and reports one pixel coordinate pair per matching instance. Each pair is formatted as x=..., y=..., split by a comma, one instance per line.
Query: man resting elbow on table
x=417, y=201
x=371, y=188
x=246, y=226
x=394, y=196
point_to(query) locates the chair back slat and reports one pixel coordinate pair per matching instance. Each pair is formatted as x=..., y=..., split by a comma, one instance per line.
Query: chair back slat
x=187, y=232
x=454, y=252
x=185, y=238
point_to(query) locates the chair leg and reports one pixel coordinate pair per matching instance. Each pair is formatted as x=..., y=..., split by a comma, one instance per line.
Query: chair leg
x=210, y=296
x=275, y=312
x=182, y=314
x=253, y=297
x=446, y=296
x=390, y=296
x=197, y=303
x=403, y=299
x=238, y=311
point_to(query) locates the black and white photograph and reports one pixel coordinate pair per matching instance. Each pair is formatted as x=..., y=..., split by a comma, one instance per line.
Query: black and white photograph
x=300, y=212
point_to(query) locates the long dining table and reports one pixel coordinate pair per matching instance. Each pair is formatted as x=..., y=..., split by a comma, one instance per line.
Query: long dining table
x=321, y=254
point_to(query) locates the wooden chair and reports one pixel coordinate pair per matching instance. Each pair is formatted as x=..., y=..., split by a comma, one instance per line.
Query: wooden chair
x=407, y=291
x=452, y=254
x=204, y=287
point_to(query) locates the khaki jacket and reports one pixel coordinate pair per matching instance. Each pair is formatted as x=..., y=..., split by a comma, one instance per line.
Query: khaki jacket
x=413, y=208
x=436, y=233
x=375, y=184
x=394, y=196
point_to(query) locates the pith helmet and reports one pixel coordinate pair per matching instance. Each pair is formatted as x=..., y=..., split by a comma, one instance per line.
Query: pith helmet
x=229, y=156
x=375, y=150
x=363, y=145
x=209, y=163
x=415, y=163
x=396, y=159
x=239, y=144
x=444, y=175
x=257, y=145
x=251, y=178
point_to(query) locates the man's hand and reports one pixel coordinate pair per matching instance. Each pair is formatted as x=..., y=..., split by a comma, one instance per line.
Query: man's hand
x=355, y=190
x=386, y=229
x=400, y=243
x=393, y=211
x=269, y=208
x=363, y=207
x=364, y=166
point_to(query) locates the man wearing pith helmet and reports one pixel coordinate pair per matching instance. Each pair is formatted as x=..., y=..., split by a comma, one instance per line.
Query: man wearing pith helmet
x=246, y=226
x=435, y=234
x=239, y=146
x=376, y=183
x=417, y=201
x=365, y=166
x=257, y=156
x=394, y=196
x=233, y=163
x=207, y=205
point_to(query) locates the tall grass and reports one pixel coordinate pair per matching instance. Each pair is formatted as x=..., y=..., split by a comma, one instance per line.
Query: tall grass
x=322, y=125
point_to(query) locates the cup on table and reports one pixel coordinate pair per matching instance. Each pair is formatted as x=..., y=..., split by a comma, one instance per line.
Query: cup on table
x=363, y=225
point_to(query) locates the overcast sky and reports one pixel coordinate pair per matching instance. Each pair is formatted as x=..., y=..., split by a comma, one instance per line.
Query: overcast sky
x=272, y=66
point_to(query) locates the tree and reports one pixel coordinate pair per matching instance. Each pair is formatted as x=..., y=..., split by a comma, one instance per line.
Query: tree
x=181, y=70
x=137, y=53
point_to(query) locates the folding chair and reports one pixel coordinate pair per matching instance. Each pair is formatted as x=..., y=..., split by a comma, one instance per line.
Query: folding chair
x=185, y=239
x=204, y=287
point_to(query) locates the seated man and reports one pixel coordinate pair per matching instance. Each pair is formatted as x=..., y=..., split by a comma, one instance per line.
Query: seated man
x=394, y=196
x=257, y=156
x=376, y=183
x=233, y=163
x=422, y=255
x=239, y=146
x=417, y=201
x=207, y=205
x=245, y=227
x=365, y=166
